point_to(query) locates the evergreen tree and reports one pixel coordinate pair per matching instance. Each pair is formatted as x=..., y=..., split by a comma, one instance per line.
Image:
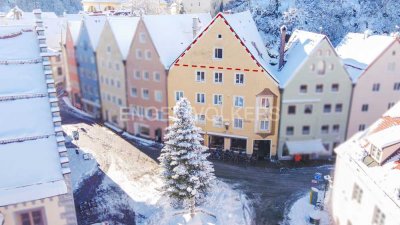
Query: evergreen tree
x=186, y=170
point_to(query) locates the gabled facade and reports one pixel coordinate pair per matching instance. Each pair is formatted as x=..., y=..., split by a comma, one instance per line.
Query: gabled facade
x=315, y=92
x=223, y=74
x=374, y=71
x=35, y=185
x=85, y=54
x=72, y=87
x=112, y=52
x=101, y=5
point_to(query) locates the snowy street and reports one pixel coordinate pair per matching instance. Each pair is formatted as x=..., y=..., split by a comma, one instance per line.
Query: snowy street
x=271, y=192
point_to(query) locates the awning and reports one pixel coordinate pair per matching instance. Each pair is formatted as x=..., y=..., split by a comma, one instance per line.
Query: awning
x=306, y=147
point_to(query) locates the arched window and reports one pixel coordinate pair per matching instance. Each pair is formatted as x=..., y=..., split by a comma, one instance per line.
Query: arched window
x=91, y=9
x=109, y=8
x=321, y=67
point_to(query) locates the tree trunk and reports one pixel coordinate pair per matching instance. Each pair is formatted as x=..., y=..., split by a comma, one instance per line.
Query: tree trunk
x=192, y=207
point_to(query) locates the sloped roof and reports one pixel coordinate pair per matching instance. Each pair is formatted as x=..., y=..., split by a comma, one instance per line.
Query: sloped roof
x=74, y=29
x=300, y=45
x=94, y=26
x=171, y=34
x=29, y=155
x=245, y=27
x=358, y=51
x=124, y=29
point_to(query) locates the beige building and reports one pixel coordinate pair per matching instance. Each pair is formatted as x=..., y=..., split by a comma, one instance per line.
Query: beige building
x=101, y=5
x=35, y=183
x=112, y=52
x=316, y=92
x=223, y=73
x=374, y=71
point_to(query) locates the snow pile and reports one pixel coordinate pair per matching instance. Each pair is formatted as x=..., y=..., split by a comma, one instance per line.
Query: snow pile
x=302, y=209
x=81, y=168
x=75, y=110
x=142, y=141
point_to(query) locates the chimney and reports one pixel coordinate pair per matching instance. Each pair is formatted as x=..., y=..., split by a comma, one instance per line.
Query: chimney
x=282, y=46
x=195, y=26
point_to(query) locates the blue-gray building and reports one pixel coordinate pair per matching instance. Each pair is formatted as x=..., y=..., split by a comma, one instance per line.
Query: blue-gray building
x=85, y=51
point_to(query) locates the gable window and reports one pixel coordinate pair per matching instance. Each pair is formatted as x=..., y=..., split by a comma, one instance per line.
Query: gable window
x=264, y=103
x=308, y=109
x=33, y=217
x=396, y=86
x=178, y=95
x=148, y=54
x=303, y=89
x=218, y=53
x=289, y=130
x=376, y=87
x=378, y=217
x=335, y=88
x=239, y=78
x=217, y=99
x=292, y=109
x=238, y=123
x=264, y=125
x=364, y=108
x=361, y=127
x=324, y=129
x=217, y=77
x=319, y=88
x=142, y=37
x=306, y=130
x=219, y=36
x=321, y=67
x=239, y=101
x=327, y=108
x=139, y=54
x=200, y=76
x=200, y=98
x=338, y=107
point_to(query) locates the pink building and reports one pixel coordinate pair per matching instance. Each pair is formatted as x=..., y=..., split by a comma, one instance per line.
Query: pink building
x=372, y=62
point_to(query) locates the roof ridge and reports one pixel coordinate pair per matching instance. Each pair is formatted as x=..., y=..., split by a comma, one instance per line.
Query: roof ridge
x=22, y=139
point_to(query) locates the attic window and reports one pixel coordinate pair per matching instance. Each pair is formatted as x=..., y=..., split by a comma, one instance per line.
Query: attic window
x=321, y=67
x=219, y=36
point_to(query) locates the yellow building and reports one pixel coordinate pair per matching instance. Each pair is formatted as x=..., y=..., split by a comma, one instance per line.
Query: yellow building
x=223, y=73
x=100, y=5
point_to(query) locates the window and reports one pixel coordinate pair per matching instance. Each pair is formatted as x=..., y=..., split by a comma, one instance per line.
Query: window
x=327, y=108
x=292, y=109
x=59, y=71
x=217, y=99
x=376, y=87
x=201, y=119
x=364, y=108
x=112, y=82
x=138, y=75
x=218, y=54
x=160, y=115
x=118, y=84
x=357, y=193
x=148, y=54
x=178, y=95
x=145, y=93
x=264, y=103
x=264, y=125
x=338, y=107
x=306, y=130
x=238, y=123
x=396, y=86
x=239, y=101
x=142, y=37
x=392, y=66
x=146, y=75
x=217, y=77
x=119, y=102
x=378, y=217
x=239, y=78
x=324, y=129
x=390, y=105
x=157, y=76
x=219, y=36
x=158, y=96
x=200, y=76
x=134, y=92
x=335, y=88
x=139, y=54
x=217, y=121
x=308, y=109
x=289, y=131
x=117, y=66
x=319, y=88
x=321, y=67
x=336, y=128
x=200, y=98
x=34, y=217
x=149, y=113
x=361, y=127
x=303, y=89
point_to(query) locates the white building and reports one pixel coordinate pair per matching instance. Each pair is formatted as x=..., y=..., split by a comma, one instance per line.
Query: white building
x=366, y=187
x=34, y=174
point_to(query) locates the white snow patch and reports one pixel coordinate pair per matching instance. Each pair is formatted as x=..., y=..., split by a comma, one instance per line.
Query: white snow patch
x=78, y=111
x=139, y=139
x=300, y=212
x=80, y=168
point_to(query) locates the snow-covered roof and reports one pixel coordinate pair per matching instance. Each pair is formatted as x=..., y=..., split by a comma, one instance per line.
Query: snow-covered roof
x=171, y=34
x=94, y=26
x=124, y=28
x=300, y=45
x=74, y=29
x=29, y=155
x=358, y=51
x=306, y=147
x=384, y=177
x=245, y=27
